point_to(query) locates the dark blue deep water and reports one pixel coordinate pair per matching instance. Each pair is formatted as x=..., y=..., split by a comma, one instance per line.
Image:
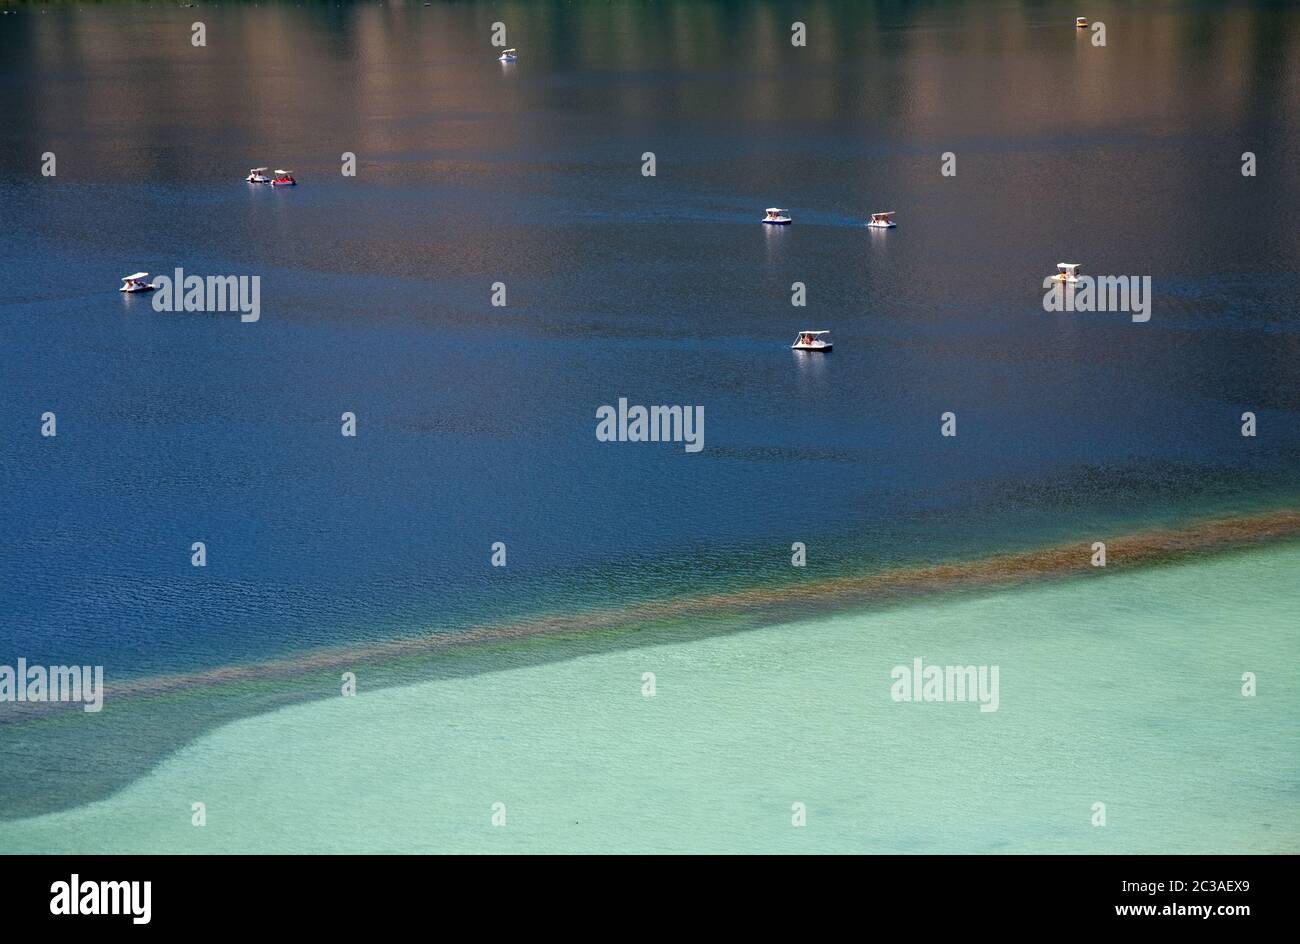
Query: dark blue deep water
x=476, y=423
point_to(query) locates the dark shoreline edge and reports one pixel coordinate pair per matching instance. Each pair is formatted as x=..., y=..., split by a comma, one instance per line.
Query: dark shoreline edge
x=86, y=757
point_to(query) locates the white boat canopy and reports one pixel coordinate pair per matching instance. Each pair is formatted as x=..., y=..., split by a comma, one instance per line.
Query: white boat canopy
x=813, y=333
x=776, y=210
x=135, y=278
x=284, y=172
x=883, y=216
x=1068, y=266
x=255, y=170
x=511, y=49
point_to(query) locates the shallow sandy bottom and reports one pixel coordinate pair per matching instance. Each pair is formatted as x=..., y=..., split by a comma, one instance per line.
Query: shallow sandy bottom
x=1124, y=691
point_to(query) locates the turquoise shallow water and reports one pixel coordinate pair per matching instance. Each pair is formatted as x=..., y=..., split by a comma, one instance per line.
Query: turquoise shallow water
x=1123, y=689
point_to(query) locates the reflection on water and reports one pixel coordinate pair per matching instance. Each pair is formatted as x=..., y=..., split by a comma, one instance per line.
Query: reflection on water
x=774, y=237
x=809, y=365
x=891, y=79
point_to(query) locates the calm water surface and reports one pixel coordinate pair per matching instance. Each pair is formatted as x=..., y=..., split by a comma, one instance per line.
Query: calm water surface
x=476, y=424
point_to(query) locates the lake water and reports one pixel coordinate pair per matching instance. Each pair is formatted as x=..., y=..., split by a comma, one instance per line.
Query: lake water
x=476, y=424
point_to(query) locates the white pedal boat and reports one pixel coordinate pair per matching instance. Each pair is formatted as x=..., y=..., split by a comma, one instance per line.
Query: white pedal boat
x=812, y=341
x=137, y=283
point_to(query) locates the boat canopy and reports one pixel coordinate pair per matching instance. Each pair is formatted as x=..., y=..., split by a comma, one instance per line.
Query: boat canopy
x=135, y=278
x=813, y=333
x=256, y=170
x=775, y=210
x=882, y=216
x=284, y=172
x=511, y=49
x=1070, y=266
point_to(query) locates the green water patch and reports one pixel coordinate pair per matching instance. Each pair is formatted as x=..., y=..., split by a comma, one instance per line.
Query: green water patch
x=60, y=757
x=1125, y=692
